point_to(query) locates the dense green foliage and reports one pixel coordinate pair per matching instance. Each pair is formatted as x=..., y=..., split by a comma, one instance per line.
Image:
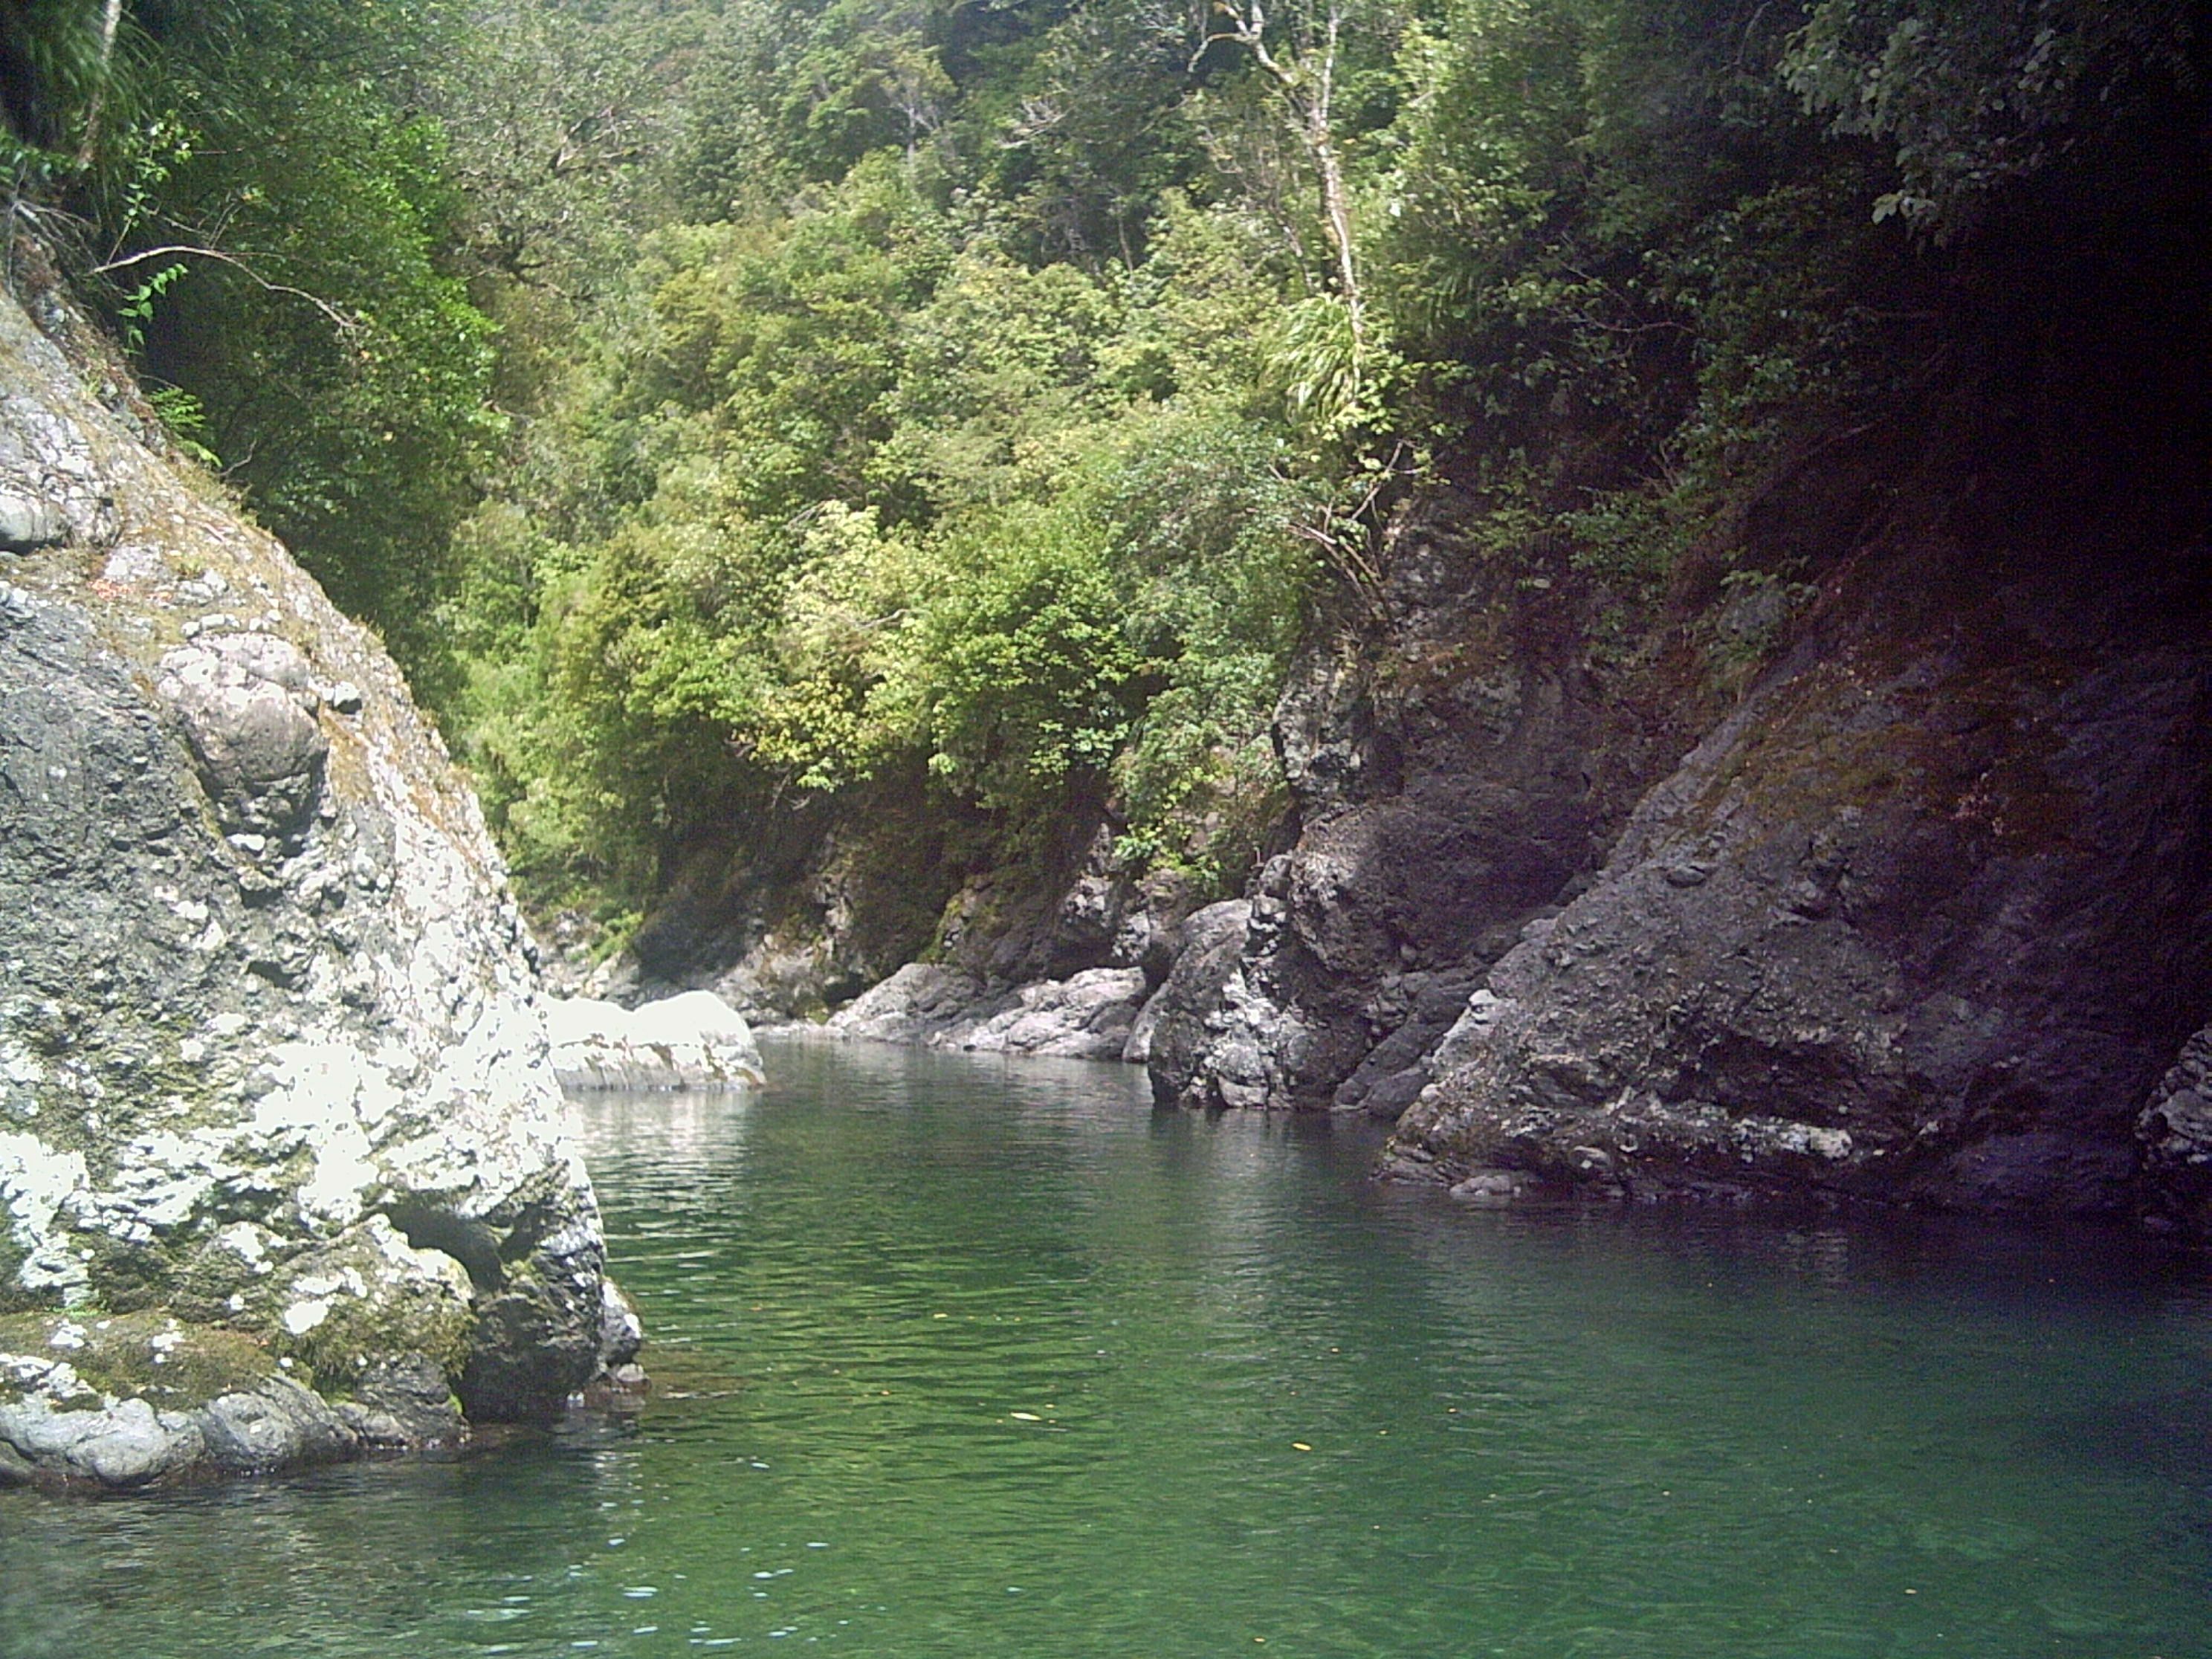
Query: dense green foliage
x=724, y=402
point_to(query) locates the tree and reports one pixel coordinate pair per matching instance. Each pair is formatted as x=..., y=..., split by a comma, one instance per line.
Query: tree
x=1302, y=63
x=57, y=58
x=1979, y=94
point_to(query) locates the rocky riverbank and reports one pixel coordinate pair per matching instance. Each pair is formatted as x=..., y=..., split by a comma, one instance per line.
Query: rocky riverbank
x=283, y=1168
x=1925, y=919
x=1856, y=847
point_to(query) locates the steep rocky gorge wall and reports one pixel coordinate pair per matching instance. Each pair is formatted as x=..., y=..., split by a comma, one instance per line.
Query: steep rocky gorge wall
x=1919, y=909
x=1926, y=918
x=1460, y=758
x=1867, y=853
x=283, y=1162
x=1893, y=884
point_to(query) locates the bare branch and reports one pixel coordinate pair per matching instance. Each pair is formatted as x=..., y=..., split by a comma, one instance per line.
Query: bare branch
x=345, y=322
x=1307, y=93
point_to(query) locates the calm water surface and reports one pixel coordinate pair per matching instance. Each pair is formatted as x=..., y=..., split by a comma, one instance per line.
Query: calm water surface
x=960, y=1356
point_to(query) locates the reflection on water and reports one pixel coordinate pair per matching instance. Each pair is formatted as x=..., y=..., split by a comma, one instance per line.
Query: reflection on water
x=979, y=1358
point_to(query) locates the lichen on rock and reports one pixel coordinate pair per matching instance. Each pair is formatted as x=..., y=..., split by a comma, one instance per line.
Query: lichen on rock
x=272, y=1067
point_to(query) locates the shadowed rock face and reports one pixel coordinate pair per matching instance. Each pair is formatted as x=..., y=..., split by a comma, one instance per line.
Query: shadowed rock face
x=1457, y=762
x=272, y=1074
x=1926, y=919
x=1895, y=868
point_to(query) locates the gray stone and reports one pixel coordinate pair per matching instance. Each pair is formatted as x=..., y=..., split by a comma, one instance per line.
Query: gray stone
x=2175, y=1131
x=1172, y=1032
x=1087, y=1016
x=405, y=1400
x=275, y=1425
x=1436, y=812
x=1923, y=921
x=920, y=1001
x=691, y=1041
x=1490, y=1187
x=249, y=714
x=622, y=1334
x=270, y=1053
x=26, y=524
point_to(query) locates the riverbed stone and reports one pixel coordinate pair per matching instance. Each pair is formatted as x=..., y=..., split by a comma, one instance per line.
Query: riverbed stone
x=1086, y=1016
x=2175, y=1131
x=694, y=1040
x=920, y=1002
x=1172, y=1033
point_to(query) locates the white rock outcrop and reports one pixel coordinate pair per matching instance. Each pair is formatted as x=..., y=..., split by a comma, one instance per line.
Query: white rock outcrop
x=694, y=1041
x=1086, y=1016
x=272, y=1067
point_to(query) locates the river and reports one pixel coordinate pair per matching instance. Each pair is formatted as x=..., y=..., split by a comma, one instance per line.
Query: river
x=965, y=1357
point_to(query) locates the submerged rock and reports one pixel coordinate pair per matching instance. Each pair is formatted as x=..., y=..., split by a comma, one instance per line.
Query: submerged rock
x=274, y=1089
x=693, y=1041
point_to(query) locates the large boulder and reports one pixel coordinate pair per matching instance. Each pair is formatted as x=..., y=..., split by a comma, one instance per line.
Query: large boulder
x=1175, y=1028
x=2176, y=1131
x=919, y=1004
x=274, y=1093
x=1087, y=1016
x=1457, y=761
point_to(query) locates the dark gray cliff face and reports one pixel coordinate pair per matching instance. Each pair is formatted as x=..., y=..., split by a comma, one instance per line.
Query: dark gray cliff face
x=1873, y=860
x=275, y=1099
x=1457, y=762
x=1926, y=919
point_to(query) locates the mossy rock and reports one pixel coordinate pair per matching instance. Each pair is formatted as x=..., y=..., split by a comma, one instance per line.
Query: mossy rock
x=341, y=1310
x=132, y=1278
x=148, y=1355
x=358, y=1333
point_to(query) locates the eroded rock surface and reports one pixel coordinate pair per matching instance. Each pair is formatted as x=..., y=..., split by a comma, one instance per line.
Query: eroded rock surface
x=271, y=1069
x=1087, y=1016
x=1926, y=919
x=2176, y=1131
x=1457, y=762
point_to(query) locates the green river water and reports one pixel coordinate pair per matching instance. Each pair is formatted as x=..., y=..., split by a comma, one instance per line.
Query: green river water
x=959, y=1356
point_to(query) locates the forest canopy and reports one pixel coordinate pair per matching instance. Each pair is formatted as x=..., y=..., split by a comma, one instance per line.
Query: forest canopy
x=724, y=404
